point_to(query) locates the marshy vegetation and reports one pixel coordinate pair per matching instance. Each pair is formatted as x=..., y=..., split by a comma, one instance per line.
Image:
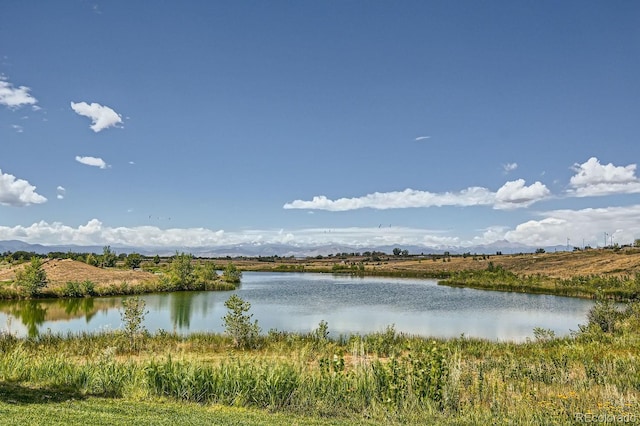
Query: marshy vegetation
x=617, y=287
x=381, y=378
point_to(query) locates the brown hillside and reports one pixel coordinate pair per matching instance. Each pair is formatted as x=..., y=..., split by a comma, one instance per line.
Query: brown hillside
x=61, y=271
x=556, y=265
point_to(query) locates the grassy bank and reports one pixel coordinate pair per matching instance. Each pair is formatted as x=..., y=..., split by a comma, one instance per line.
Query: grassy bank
x=621, y=288
x=49, y=407
x=381, y=378
x=66, y=278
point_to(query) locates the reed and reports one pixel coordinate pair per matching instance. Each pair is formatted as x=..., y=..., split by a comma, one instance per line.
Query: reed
x=386, y=377
x=622, y=288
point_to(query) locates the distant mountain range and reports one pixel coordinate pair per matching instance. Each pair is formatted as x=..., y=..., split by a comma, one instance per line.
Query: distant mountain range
x=283, y=250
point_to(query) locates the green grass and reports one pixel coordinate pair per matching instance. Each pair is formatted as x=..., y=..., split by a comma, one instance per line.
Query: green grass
x=381, y=378
x=43, y=407
x=618, y=288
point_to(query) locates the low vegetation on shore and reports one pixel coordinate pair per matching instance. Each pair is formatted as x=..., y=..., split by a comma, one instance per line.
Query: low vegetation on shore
x=51, y=277
x=620, y=288
x=611, y=272
x=380, y=378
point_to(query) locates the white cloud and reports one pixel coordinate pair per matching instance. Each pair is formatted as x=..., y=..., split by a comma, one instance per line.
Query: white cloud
x=92, y=161
x=595, y=179
x=18, y=192
x=553, y=228
x=18, y=128
x=15, y=97
x=96, y=233
x=515, y=194
x=61, y=192
x=509, y=167
x=588, y=225
x=421, y=138
x=512, y=195
x=102, y=117
x=398, y=200
x=490, y=235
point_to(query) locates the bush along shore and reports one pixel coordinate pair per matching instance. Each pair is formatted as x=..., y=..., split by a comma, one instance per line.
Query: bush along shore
x=182, y=273
x=623, y=288
x=379, y=378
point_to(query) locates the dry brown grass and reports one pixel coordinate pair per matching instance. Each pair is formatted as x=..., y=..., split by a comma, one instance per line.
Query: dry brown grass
x=555, y=265
x=61, y=271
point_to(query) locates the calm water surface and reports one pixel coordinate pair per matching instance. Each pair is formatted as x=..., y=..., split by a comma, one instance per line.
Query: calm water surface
x=298, y=302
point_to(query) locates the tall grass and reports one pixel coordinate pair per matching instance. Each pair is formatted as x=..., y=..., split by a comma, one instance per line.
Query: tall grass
x=386, y=377
x=496, y=278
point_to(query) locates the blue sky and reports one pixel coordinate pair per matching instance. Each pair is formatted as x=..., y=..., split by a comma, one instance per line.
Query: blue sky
x=428, y=123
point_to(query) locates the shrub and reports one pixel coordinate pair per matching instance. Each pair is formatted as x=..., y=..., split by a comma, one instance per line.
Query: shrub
x=182, y=271
x=238, y=324
x=604, y=315
x=32, y=279
x=232, y=274
x=133, y=315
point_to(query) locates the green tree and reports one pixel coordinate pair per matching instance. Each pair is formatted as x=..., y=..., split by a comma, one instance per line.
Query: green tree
x=238, y=325
x=232, y=274
x=91, y=260
x=156, y=259
x=182, y=271
x=109, y=257
x=132, y=315
x=397, y=251
x=133, y=260
x=32, y=278
x=207, y=272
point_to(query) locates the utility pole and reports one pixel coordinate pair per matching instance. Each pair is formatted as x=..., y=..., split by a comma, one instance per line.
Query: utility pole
x=605, y=239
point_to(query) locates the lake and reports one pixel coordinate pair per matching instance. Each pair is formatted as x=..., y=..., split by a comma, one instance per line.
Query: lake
x=299, y=301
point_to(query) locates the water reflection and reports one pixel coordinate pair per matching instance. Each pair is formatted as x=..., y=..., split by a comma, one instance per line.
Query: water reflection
x=298, y=302
x=32, y=314
x=181, y=305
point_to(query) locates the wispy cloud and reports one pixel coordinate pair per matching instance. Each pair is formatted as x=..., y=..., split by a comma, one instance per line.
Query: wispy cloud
x=595, y=179
x=15, y=97
x=421, y=138
x=509, y=167
x=18, y=128
x=511, y=195
x=61, y=192
x=102, y=117
x=18, y=192
x=92, y=161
